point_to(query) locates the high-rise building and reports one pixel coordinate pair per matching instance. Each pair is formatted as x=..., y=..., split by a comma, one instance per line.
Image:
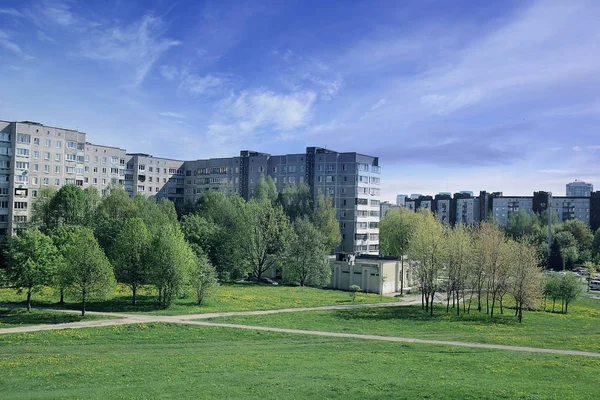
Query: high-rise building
x=33, y=156
x=401, y=199
x=579, y=189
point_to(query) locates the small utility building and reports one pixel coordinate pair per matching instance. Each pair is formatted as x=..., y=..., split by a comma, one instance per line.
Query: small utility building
x=373, y=273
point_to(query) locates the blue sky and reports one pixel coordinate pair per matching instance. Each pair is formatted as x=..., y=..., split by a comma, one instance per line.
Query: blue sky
x=451, y=95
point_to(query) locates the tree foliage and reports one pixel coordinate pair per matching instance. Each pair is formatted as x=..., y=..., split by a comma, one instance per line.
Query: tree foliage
x=32, y=259
x=306, y=258
x=86, y=272
x=266, y=233
x=130, y=255
x=323, y=217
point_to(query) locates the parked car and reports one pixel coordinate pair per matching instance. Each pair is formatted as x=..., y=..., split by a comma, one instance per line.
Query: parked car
x=595, y=285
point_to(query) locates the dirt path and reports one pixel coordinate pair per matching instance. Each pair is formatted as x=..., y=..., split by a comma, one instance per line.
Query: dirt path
x=125, y=319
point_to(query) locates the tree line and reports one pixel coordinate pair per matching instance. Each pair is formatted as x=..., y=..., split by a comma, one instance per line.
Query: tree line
x=573, y=242
x=83, y=244
x=470, y=267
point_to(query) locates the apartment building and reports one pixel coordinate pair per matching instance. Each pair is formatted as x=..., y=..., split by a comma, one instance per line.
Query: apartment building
x=467, y=209
x=351, y=180
x=579, y=189
x=33, y=156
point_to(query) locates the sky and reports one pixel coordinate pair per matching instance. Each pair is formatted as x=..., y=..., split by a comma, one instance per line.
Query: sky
x=450, y=95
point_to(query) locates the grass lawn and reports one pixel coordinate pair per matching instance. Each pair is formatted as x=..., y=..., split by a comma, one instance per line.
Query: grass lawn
x=182, y=361
x=13, y=317
x=577, y=330
x=228, y=297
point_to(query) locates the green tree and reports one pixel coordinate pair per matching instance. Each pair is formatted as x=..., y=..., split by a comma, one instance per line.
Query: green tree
x=324, y=219
x=590, y=271
x=86, y=274
x=395, y=231
x=525, y=275
x=306, y=259
x=426, y=248
x=69, y=205
x=297, y=201
x=266, y=236
x=31, y=260
x=203, y=275
x=171, y=262
x=581, y=232
x=129, y=255
x=91, y=201
x=116, y=205
x=226, y=245
x=265, y=189
x=570, y=289
x=458, y=255
x=521, y=224
x=43, y=214
x=200, y=231
x=567, y=246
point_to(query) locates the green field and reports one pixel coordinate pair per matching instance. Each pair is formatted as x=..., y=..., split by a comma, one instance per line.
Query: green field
x=161, y=360
x=577, y=330
x=228, y=297
x=13, y=317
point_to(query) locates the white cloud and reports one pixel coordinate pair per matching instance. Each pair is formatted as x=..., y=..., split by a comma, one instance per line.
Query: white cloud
x=136, y=46
x=44, y=37
x=197, y=85
x=254, y=110
x=577, y=148
x=10, y=11
x=7, y=42
x=379, y=104
x=172, y=115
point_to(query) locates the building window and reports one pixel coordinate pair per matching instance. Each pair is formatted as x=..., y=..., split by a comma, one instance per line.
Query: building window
x=46, y=181
x=58, y=144
x=48, y=142
x=36, y=141
x=57, y=169
x=22, y=138
x=71, y=145
x=22, y=152
x=57, y=182
x=71, y=157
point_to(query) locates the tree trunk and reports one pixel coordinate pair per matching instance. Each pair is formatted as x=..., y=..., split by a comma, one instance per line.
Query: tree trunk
x=29, y=300
x=83, y=304
x=402, y=277
x=422, y=297
x=566, y=307
x=553, y=304
x=493, y=304
x=134, y=290
x=62, y=297
x=501, y=308
x=448, y=304
x=431, y=304
x=520, y=313
x=426, y=303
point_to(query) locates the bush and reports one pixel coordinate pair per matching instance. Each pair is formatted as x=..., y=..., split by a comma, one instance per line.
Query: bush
x=353, y=289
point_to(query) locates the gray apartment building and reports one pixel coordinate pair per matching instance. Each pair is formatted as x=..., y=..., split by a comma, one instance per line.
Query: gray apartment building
x=351, y=180
x=579, y=189
x=33, y=156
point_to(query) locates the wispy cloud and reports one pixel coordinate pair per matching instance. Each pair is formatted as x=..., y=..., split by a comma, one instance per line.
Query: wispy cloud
x=254, y=110
x=137, y=46
x=10, y=11
x=192, y=83
x=44, y=37
x=7, y=42
x=379, y=104
x=172, y=115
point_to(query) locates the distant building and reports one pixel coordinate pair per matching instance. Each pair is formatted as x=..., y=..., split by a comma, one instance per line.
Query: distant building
x=386, y=206
x=464, y=208
x=401, y=199
x=579, y=189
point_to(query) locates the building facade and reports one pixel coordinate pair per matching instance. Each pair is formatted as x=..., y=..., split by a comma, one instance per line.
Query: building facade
x=464, y=208
x=579, y=189
x=34, y=156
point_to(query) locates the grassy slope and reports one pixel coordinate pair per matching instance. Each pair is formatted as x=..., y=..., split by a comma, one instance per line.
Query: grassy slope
x=578, y=330
x=157, y=360
x=228, y=297
x=12, y=317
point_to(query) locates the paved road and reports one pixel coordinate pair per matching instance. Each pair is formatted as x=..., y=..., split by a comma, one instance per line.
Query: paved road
x=191, y=319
